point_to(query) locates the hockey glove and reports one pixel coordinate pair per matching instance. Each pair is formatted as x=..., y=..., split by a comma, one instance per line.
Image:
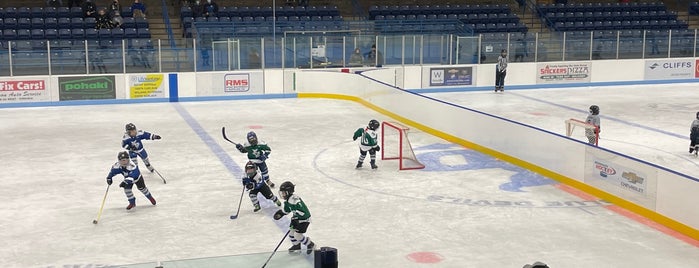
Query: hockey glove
x=156, y=137
x=126, y=184
x=239, y=147
x=377, y=148
x=109, y=181
x=250, y=186
x=262, y=157
x=279, y=214
x=295, y=224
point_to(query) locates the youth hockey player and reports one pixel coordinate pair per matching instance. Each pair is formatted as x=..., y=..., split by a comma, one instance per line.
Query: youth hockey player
x=256, y=184
x=501, y=71
x=593, y=118
x=132, y=175
x=300, y=218
x=258, y=152
x=694, y=136
x=132, y=142
x=368, y=143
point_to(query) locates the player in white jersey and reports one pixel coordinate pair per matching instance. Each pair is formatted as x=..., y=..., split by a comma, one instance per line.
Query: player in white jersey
x=368, y=143
x=593, y=118
x=694, y=136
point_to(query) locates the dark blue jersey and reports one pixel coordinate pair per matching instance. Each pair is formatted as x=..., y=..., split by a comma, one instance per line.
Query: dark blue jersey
x=134, y=143
x=130, y=171
x=256, y=179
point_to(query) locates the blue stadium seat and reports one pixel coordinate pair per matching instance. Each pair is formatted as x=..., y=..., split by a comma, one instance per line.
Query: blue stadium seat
x=224, y=19
x=24, y=12
x=130, y=33
x=37, y=23
x=236, y=19
x=77, y=33
x=24, y=23
x=50, y=12
x=76, y=12
x=143, y=33
x=126, y=12
x=64, y=23
x=89, y=22
x=36, y=12
x=50, y=23
x=24, y=34
x=23, y=45
x=141, y=23
x=39, y=45
x=63, y=12
x=209, y=19
x=91, y=34
x=185, y=12
x=248, y=19
x=379, y=17
x=103, y=34
x=37, y=34
x=64, y=34
x=76, y=23
x=51, y=33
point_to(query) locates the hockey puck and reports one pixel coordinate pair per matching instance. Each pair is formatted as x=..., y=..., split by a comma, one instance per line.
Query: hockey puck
x=94, y=221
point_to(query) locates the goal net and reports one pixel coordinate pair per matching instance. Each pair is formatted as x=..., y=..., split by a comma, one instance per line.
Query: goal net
x=581, y=130
x=396, y=145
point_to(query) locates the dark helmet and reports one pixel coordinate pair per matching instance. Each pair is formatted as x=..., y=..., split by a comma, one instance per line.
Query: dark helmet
x=130, y=126
x=123, y=155
x=250, y=168
x=373, y=124
x=697, y=115
x=594, y=109
x=252, y=138
x=286, y=190
x=503, y=51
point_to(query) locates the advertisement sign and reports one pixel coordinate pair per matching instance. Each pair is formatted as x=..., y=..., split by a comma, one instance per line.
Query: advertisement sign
x=620, y=176
x=454, y=76
x=696, y=69
x=669, y=69
x=147, y=86
x=86, y=88
x=28, y=90
x=236, y=83
x=564, y=72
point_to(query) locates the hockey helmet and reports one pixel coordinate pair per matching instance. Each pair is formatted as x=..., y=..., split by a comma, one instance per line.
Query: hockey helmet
x=130, y=126
x=250, y=168
x=373, y=124
x=252, y=138
x=697, y=115
x=286, y=190
x=594, y=109
x=123, y=158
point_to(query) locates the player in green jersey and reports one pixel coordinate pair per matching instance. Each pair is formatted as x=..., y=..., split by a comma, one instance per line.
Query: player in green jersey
x=258, y=152
x=300, y=217
x=368, y=143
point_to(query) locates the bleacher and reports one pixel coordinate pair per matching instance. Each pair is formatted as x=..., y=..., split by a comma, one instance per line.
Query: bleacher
x=609, y=16
x=479, y=18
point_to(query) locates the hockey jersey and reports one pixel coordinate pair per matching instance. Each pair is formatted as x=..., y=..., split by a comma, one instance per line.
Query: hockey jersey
x=134, y=143
x=255, y=151
x=130, y=172
x=297, y=207
x=368, y=137
x=256, y=179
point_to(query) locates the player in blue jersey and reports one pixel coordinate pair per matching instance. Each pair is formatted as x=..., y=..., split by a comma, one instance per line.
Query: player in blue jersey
x=132, y=175
x=257, y=152
x=132, y=142
x=255, y=183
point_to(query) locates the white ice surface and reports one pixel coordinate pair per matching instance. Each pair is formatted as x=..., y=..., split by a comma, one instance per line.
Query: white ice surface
x=55, y=161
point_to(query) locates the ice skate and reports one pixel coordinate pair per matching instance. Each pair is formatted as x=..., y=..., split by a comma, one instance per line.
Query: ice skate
x=359, y=165
x=295, y=248
x=309, y=248
x=151, y=199
x=257, y=208
x=132, y=204
x=373, y=165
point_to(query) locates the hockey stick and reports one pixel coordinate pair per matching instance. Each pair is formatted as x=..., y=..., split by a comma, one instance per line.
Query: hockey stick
x=235, y=216
x=99, y=214
x=161, y=176
x=275, y=249
x=223, y=131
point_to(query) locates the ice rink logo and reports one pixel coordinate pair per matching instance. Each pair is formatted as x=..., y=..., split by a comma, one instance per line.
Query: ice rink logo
x=632, y=177
x=654, y=65
x=437, y=76
x=604, y=170
x=236, y=83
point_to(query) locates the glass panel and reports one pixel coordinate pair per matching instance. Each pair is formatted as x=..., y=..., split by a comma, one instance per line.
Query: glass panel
x=604, y=45
x=30, y=58
x=250, y=56
x=435, y=48
x=521, y=47
x=491, y=45
x=682, y=43
x=68, y=57
x=273, y=55
x=105, y=56
x=577, y=45
x=141, y=55
x=550, y=47
x=4, y=59
x=631, y=44
x=178, y=59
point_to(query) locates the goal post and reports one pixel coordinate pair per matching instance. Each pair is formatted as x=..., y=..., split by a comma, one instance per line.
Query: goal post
x=396, y=145
x=584, y=132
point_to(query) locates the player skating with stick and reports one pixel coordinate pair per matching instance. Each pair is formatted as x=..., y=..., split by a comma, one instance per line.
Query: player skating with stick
x=300, y=217
x=132, y=175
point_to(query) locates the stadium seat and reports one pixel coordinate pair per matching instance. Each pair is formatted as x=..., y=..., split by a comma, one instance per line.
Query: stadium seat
x=37, y=34
x=37, y=12
x=37, y=23
x=64, y=34
x=141, y=23
x=91, y=33
x=89, y=22
x=24, y=23
x=24, y=34
x=77, y=33
x=50, y=12
x=76, y=23
x=130, y=33
x=51, y=33
x=24, y=12
x=76, y=12
x=143, y=33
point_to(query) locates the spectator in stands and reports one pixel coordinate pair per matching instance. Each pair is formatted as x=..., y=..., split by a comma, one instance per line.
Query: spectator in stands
x=102, y=21
x=374, y=57
x=139, y=9
x=291, y=3
x=356, y=59
x=117, y=20
x=89, y=9
x=521, y=49
x=303, y=3
x=653, y=40
x=254, y=61
x=197, y=9
x=115, y=6
x=210, y=8
x=54, y=3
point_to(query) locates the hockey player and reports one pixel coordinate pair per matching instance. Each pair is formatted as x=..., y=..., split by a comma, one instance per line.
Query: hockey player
x=300, y=218
x=501, y=71
x=132, y=176
x=368, y=143
x=593, y=118
x=694, y=136
x=256, y=184
x=258, y=152
x=132, y=142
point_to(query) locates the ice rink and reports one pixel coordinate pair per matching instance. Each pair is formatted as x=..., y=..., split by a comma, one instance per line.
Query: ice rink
x=465, y=209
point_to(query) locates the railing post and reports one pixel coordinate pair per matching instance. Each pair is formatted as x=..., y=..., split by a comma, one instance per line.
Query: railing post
x=617, y=44
x=48, y=56
x=194, y=51
x=87, y=59
x=592, y=43
x=536, y=47
x=669, y=43
x=643, y=52
x=563, y=48
x=123, y=55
